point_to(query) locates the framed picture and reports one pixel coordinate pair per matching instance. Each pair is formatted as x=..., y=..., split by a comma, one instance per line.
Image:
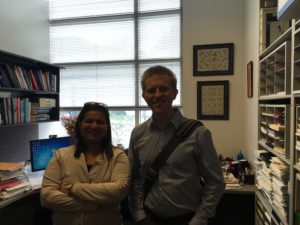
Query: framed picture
x=213, y=59
x=213, y=100
x=250, y=79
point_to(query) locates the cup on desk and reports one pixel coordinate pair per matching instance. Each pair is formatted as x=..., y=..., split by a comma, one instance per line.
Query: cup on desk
x=249, y=179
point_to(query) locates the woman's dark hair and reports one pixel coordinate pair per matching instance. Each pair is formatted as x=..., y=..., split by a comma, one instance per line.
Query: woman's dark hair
x=106, y=144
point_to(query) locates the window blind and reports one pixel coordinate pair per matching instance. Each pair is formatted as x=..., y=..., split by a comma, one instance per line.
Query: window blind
x=104, y=46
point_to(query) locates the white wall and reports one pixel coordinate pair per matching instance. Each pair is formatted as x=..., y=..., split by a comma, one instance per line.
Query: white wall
x=24, y=30
x=251, y=54
x=211, y=22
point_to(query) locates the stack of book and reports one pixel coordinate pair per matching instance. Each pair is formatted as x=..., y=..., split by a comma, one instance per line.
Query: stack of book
x=41, y=110
x=12, y=180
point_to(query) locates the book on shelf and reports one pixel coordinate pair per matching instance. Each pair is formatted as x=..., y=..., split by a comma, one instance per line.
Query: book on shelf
x=26, y=77
x=11, y=74
x=3, y=78
x=38, y=113
x=46, y=79
x=40, y=79
x=3, y=82
x=20, y=77
x=8, y=110
x=47, y=102
x=3, y=111
x=35, y=85
x=53, y=83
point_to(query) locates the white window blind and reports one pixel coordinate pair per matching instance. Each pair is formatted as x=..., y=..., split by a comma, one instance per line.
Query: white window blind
x=104, y=46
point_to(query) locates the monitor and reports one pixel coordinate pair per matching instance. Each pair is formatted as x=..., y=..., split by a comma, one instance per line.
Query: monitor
x=42, y=150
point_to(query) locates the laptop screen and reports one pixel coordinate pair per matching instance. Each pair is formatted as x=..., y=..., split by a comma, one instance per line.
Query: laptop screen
x=42, y=150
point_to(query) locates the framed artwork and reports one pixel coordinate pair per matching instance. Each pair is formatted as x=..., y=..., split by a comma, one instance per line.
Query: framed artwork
x=213, y=100
x=250, y=79
x=213, y=59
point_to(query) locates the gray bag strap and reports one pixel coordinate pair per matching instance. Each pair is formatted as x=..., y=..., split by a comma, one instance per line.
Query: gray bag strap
x=183, y=131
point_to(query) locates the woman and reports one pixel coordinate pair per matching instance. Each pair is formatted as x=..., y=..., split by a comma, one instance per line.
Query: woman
x=84, y=183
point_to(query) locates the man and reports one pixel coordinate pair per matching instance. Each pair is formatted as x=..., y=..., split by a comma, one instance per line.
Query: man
x=190, y=184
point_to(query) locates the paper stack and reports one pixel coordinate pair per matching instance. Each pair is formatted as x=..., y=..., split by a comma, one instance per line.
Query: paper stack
x=280, y=178
x=12, y=179
x=263, y=178
x=231, y=181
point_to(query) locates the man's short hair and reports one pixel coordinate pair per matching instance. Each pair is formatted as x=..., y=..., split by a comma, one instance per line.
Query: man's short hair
x=161, y=70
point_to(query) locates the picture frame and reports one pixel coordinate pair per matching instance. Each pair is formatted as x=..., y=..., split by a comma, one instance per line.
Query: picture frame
x=213, y=59
x=250, y=79
x=213, y=100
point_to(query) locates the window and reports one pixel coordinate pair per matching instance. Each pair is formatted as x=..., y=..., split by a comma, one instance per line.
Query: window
x=104, y=46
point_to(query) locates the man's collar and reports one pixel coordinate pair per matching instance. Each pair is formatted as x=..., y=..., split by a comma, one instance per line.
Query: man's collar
x=176, y=119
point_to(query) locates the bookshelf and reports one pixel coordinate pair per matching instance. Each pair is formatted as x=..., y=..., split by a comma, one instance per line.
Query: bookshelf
x=29, y=90
x=277, y=201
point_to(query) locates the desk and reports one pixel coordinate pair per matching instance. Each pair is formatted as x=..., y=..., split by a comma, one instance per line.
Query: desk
x=236, y=207
x=25, y=209
x=35, y=178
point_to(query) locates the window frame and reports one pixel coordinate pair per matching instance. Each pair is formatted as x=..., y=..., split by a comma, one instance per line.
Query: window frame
x=137, y=108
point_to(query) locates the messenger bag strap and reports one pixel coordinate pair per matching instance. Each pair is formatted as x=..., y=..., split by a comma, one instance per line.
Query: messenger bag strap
x=183, y=131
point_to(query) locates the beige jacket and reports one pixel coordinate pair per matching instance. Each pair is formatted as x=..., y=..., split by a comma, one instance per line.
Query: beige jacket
x=95, y=195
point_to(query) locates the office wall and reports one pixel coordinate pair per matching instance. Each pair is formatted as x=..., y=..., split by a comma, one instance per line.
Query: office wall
x=24, y=30
x=251, y=54
x=211, y=22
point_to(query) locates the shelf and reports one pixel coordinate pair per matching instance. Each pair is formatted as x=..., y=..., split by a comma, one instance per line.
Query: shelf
x=274, y=97
x=29, y=90
x=265, y=203
x=281, y=157
x=297, y=167
x=285, y=36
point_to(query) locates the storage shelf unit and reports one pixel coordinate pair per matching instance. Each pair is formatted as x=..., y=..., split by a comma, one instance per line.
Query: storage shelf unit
x=29, y=90
x=277, y=91
x=274, y=128
x=296, y=56
x=274, y=72
x=296, y=167
x=263, y=210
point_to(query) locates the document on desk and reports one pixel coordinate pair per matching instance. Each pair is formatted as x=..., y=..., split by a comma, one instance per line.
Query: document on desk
x=35, y=179
x=232, y=186
x=6, y=166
